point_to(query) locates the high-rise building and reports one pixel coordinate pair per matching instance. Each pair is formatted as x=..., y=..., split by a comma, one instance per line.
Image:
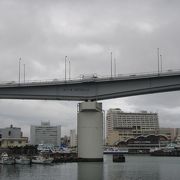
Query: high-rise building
x=45, y=134
x=123, y=125
x=73, y=138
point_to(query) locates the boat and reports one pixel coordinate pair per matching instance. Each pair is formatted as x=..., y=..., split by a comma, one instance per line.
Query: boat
x=115, y=150
x=5, y=159
x=118, y=158
x=22, y=160
x=41, y=160
x=171, y=149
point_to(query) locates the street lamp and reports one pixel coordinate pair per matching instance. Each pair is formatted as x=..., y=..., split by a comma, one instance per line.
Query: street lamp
x=158, y=59
x=24, y=73
x=65, y=66
x=114, y=67
x=161, y=61
x=19, y=70
x=69, y=70
x=111, y=64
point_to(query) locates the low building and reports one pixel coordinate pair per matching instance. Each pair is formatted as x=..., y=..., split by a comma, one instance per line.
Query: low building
x=10, y=132
x=144, y=143
x=12, y=142
x=11, y=137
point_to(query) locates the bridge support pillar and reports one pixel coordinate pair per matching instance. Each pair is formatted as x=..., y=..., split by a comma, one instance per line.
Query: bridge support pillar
x=90, y=131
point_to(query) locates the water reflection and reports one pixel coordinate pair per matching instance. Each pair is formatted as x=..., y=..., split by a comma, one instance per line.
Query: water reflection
x=90, y=171
x=9, y=171
x=135, y=168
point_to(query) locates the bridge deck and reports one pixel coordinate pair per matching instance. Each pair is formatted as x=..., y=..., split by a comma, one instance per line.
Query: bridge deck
x=93, y=88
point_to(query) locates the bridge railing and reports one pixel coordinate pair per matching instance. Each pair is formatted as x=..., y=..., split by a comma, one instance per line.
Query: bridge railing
x=92, y=77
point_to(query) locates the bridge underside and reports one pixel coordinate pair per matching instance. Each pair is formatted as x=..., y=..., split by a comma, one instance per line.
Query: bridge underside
x=94, y=89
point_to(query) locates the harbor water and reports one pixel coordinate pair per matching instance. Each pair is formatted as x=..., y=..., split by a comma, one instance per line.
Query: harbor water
x=135, y=168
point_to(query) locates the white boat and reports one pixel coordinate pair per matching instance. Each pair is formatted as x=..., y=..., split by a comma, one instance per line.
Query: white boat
x=114, y=150
x=22, y=160
x=41, y=160
x=5, y=159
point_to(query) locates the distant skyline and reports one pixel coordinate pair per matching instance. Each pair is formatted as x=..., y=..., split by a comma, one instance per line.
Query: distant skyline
x=43, y=32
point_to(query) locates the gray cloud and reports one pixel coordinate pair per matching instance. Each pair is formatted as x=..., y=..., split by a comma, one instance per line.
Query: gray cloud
x=42, y=33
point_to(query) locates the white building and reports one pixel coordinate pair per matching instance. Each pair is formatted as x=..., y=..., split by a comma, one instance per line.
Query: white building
x=73, y=138
x=123, y=125
x=45, y=134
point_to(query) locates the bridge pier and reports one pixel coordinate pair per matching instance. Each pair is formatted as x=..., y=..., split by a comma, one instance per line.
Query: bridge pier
x=90, y=131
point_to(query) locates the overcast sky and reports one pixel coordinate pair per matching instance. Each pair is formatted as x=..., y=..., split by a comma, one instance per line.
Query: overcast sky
x=43, y=32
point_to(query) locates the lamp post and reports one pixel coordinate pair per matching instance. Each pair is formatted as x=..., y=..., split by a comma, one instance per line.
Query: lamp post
x=24, y=73
x=161, y=61
x=114, y=67
x=69, y=70
x=19, y=70
x=65, y=66
x=158, y=59
x=111, y=64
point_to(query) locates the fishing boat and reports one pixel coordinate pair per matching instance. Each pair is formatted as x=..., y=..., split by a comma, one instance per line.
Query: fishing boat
x=5, y=159
x=42, y=160
x=22, y=160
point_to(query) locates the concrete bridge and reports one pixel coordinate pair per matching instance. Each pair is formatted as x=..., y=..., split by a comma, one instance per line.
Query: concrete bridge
x=90, y=114
x=93, y=88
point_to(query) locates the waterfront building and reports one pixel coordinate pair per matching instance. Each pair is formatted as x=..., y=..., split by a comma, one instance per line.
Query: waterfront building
x=45, y=134
x=173, y=134
x=12, y=142
x=12, y=136
x=73, y=138
x=121, y=126
x=144, y=143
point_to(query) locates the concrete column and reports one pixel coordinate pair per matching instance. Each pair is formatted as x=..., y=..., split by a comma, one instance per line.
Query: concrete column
x=90, y=131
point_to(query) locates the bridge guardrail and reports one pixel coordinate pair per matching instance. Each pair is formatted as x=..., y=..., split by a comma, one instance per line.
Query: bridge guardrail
x=92, y=77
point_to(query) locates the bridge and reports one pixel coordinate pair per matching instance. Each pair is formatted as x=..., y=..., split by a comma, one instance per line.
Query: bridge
x=93, y=88
x=90, y=90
